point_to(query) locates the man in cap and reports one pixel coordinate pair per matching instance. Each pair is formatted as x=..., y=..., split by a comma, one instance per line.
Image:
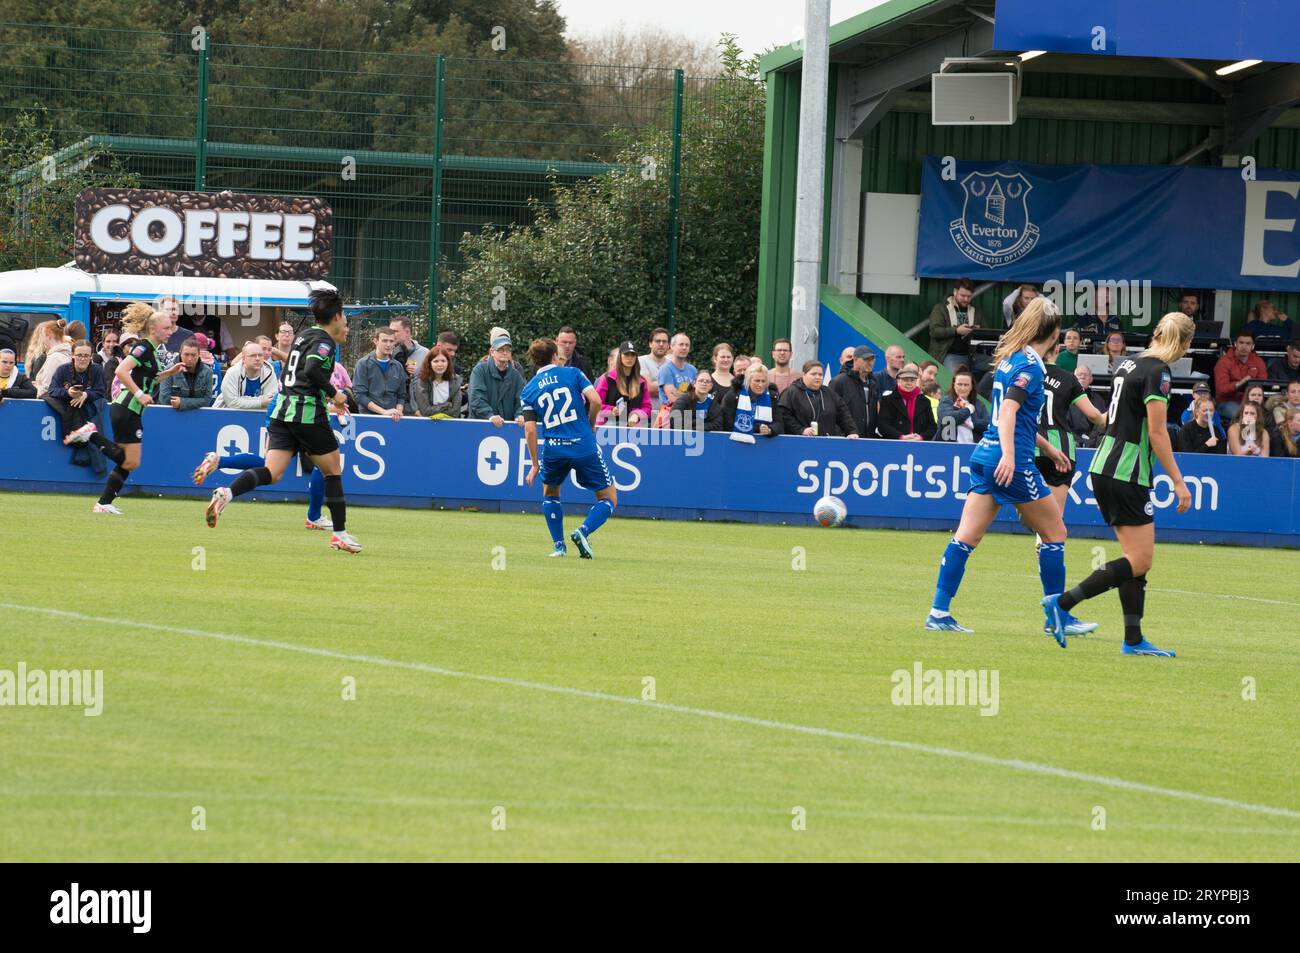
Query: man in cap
x=856, y=387
x=495, y=384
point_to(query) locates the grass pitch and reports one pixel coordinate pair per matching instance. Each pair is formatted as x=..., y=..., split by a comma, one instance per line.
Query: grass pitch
x=499, y=687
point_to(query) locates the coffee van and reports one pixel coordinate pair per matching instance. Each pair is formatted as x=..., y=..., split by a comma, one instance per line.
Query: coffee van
x=247, y=306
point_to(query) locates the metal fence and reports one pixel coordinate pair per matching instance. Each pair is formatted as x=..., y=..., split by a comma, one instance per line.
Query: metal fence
x=410, y=151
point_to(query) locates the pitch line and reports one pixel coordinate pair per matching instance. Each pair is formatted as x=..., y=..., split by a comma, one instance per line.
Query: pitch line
x=1014, y=764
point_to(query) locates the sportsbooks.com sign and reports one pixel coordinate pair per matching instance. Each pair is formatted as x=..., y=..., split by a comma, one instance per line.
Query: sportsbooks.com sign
x=202, y=234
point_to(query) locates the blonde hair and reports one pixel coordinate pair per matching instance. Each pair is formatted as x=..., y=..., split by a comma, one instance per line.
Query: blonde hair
x=1038, y=322
x=1172, y=337
x=755, y=365
x=1285, y=432
x=40, y=342
x=135, y=316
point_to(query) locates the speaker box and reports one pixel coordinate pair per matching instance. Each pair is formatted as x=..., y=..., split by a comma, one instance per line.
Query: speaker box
x=974, y=99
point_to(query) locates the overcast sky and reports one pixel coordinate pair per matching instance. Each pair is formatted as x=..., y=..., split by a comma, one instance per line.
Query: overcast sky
x=758, y=23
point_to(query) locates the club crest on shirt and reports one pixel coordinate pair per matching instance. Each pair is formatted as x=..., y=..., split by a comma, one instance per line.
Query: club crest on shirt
x=1021, y=381
x=1165, y=383
x=138, y=351
x=323, y=350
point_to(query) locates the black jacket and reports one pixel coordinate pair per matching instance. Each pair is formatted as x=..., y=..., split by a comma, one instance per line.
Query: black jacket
x=732, y=399
x=799, y=407
x=21, y=388
x=861, y=397
x=682, y=415
x=893, y=422
x=1192, y=437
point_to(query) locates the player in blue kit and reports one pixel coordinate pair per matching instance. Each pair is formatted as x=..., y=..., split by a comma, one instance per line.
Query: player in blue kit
x=1002, y=471
x=552, y=404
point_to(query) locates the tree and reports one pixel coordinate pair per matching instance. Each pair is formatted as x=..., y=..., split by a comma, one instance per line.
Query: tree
x=598, y=258
x=38, y=192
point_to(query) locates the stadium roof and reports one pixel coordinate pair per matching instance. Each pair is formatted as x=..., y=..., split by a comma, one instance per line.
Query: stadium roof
x=877, y=33
x=888, y=54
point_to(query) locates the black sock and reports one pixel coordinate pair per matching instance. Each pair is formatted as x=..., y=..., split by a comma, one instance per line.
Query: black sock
x=1103, y=580
x=250, y=480
x=1133, y=600
x=338, y=506
x=108, y=448
x=113, y=486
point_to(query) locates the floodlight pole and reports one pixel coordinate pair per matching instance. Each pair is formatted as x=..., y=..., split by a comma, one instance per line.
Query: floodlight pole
x=805, y=298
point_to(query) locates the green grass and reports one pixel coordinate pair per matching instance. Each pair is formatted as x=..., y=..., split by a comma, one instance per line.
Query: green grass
x=260, y=737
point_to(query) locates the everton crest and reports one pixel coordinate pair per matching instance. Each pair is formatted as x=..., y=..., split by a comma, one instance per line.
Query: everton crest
x=994, y=228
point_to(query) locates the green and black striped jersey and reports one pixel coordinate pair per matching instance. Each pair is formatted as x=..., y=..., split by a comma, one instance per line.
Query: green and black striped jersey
x=148, y=362
x=1061, y=391
x=304, y=385
x=1125, y=451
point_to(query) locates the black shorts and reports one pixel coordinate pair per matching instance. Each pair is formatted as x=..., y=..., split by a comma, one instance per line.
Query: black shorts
x=128, y=426
x=313, y=439
x=1053, y=476
x=1123, y=503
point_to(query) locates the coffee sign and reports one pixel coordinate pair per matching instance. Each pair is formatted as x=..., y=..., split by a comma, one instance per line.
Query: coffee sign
x=202, y=234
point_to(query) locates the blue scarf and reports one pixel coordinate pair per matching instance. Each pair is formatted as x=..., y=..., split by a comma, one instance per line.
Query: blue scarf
x=745, y=418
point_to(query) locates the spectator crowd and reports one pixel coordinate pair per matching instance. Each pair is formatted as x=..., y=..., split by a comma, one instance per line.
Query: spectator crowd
x=656, y=384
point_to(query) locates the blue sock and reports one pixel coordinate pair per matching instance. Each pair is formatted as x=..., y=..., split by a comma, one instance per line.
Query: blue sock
x=951, y=568
x=553, y=510
x=315, y=494
x=1051, y=567
x=602, y=511
x=240, y=461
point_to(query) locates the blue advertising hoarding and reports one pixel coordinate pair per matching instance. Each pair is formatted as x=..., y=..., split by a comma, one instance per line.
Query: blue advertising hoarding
x=1191, y=29
x=671, y=474
x=1174, y=226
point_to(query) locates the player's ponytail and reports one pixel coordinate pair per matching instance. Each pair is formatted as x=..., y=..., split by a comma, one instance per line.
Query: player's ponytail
x=135, y=316
x=541, y=353
x=1172, y=338
x=1038, y=322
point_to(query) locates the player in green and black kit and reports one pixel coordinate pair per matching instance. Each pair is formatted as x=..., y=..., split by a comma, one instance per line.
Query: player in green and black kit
x=1061, y=392
x=300, y=421
x=138, y=373
x=1121, y=476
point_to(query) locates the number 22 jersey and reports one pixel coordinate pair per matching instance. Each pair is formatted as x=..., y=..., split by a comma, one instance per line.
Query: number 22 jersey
x=554, y=396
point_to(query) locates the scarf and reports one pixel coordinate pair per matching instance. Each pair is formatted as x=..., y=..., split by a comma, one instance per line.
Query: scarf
x=909, y=401
x=745, y=407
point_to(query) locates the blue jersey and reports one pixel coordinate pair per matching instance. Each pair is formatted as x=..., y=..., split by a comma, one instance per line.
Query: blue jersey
x=1021, y=374
x=555, y=396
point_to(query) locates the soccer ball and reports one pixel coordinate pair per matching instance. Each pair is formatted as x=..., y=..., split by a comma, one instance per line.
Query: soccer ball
x=830, y=511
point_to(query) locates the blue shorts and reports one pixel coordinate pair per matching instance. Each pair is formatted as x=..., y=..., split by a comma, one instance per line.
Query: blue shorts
x=1026, y=486
x=587, y=462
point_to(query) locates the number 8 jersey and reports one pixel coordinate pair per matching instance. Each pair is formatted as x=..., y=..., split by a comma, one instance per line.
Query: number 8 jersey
x=1125, y=453
x=554, y=396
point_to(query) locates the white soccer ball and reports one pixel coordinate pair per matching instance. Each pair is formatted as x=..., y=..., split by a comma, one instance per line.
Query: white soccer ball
x=830, y=511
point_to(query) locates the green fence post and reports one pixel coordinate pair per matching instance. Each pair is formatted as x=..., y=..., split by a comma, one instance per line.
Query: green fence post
x=435, y=217
x=201, y=121
x=674, y=203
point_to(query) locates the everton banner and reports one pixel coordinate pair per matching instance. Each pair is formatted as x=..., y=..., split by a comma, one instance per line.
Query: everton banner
x=1171, y=225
